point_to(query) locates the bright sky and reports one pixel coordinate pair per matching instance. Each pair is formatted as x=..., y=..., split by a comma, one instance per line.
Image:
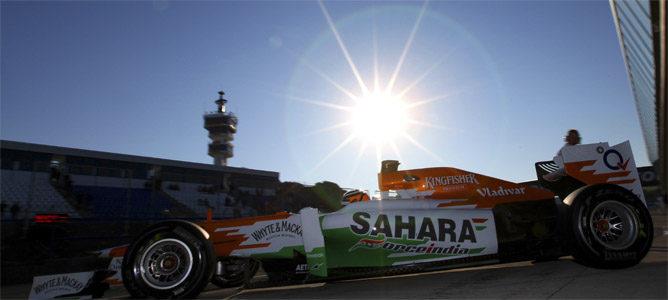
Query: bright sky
x=485, y=86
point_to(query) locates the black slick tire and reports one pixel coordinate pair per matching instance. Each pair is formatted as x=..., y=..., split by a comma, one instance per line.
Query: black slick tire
x=610, y=227
x=172, y=259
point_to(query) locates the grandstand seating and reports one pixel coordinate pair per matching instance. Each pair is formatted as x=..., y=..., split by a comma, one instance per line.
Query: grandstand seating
x=33, y=193
x=118, y=182
x=109, y=197
x=190, y=195
x=117, y=202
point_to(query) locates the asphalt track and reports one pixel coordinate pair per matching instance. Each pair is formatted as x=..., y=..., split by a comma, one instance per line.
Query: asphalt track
x=558, y=279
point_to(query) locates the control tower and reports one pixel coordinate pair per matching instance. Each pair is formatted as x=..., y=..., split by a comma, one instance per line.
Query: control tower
x=221, y=126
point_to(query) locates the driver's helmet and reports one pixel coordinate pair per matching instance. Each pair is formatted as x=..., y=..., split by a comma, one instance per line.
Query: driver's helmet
x=355, y=196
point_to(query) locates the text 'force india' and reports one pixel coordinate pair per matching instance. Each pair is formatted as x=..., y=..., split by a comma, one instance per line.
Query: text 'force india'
x=441, y=217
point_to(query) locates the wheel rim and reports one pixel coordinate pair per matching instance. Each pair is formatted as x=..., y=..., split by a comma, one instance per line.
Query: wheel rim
x=614, y=225
x=166, y=264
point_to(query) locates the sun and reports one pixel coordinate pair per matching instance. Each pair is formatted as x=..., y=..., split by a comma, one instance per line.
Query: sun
x=380, y=117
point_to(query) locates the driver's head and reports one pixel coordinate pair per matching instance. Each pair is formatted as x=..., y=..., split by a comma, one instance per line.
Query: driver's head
x=572, y=137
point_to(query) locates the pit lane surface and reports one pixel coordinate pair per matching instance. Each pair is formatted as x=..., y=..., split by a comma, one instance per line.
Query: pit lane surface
x=556, y=279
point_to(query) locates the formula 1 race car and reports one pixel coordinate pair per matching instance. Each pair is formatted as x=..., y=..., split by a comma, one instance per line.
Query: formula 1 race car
x=425, y=219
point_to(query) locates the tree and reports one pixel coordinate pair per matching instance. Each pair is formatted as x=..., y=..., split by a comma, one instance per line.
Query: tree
x=329, y=195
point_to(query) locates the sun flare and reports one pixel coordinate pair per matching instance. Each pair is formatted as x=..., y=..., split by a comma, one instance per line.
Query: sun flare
x=380, y=117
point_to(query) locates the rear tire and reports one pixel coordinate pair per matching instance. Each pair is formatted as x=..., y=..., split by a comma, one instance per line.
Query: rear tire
x=173, y=259
x=610, y=227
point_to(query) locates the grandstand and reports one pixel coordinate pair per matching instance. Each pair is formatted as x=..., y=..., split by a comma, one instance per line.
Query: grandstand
x=42, y=179
x=33, y=192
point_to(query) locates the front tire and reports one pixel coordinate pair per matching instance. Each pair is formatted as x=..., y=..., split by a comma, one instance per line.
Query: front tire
x=169, y=260
x=611, y=227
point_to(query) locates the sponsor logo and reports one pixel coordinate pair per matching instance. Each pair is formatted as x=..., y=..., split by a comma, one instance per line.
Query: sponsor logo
x=301, y=269
x=453, y=187
x=648, y=176
x=274, y=229
x=432, y=182
x=367, y=243
x=64, y=283
x=430, y=249
x=427, y=248
x=487, y=192
x=612, y=256
x=616, y=162
x=439, y=229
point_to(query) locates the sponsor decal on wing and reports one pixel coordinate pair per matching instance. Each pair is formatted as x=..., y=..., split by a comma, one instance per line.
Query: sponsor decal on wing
x=52, y=286
x=599, y=163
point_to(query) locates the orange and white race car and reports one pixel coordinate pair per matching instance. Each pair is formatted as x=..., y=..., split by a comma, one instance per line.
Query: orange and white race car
x=426, y=218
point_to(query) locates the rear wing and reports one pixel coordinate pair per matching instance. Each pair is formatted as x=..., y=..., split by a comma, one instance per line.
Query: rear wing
x=599, y=163
x=545, y=167
x=563, y=187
